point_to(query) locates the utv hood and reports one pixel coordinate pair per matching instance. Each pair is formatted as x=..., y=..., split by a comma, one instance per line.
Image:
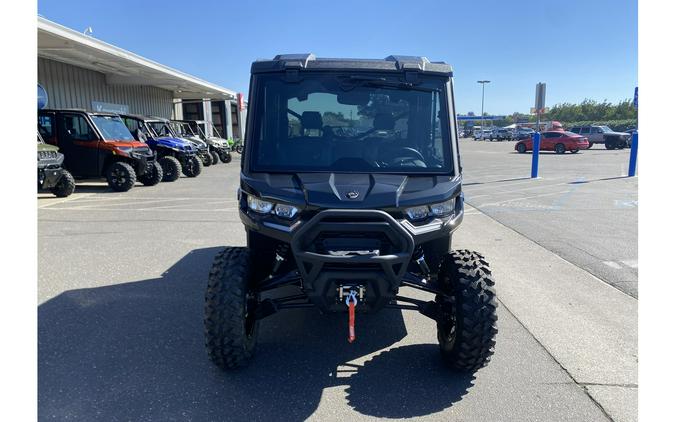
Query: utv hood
x=170, y=142
x=352, y=190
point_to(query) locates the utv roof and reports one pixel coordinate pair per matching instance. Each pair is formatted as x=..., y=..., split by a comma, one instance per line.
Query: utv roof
x=80, y=110
x=309, y=61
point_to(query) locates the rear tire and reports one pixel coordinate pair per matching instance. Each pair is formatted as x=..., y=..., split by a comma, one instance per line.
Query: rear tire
x=574, y=151
x=560, y=149
x=153, y=176
x=521, y=148
x=193, y=167
x=214, y=158
x=610, y=144
x=468, y=325
x=65, y=186
x=171, y=168
x=230, y=328
x=590, y=145
x=121, y=176
x=239, y=148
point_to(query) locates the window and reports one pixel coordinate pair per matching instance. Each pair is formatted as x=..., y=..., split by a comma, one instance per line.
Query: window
x=339, y=123
x=46, y=125
x=595, y=130
x=112, y=128
x=77, y=128
x=585, y=130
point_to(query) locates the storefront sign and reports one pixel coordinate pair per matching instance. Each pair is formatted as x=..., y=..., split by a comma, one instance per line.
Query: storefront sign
x=109, y=107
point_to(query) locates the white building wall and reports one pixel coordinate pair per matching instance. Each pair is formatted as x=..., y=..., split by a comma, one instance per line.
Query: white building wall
x=74, y=87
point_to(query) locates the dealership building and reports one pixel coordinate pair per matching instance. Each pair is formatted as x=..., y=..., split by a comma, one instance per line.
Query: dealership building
x=76, y=70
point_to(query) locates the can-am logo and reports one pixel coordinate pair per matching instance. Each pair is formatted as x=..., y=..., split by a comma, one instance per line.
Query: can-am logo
x=352, y=195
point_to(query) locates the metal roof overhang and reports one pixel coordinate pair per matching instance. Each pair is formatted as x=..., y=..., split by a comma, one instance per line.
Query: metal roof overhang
x=120, y=67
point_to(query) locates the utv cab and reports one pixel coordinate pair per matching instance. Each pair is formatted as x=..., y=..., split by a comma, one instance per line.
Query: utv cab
x=218, y=146
x=175, y=155
x=182, y=129
x=350, y=191
x=99, y=145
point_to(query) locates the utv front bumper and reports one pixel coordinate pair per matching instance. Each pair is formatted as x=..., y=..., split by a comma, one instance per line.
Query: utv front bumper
x=49, y=170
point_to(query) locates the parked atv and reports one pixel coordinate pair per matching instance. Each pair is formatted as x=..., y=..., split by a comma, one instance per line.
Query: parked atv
x=175, y=155
x=218, y=146
x=181, y=129
x=351, y=189
x=99, y=145
x=51, y=176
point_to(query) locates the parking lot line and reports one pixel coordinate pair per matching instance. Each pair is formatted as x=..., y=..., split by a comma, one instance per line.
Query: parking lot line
x=612, y=264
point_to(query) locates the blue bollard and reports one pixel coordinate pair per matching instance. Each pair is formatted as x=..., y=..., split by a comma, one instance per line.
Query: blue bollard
x=632, y=164
x=536, y=140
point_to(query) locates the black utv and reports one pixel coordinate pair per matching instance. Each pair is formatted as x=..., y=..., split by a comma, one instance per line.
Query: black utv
x=350, y=191
x=99, y=145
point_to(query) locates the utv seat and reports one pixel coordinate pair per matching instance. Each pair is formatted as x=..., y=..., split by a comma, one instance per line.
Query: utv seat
x=310, y=148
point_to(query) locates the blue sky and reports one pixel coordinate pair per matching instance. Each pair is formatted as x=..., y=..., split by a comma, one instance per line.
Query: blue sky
x=581, y=49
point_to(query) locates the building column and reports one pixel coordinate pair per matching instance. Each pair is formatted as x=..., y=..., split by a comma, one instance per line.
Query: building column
x=228, y=119
x=242, y=122
x=208, y=116
x=177, y=109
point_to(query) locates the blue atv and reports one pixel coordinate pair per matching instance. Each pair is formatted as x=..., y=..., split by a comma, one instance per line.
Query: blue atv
x=175, y=155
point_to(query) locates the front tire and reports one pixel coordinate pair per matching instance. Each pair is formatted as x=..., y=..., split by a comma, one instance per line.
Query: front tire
x=121, y=176
x=521, y=148
x=193, y=167
x=467, y=325
x=206, y=159
x=560, y=149
x=225, y=157
x=171, y=168
x=230, y=327
x=574, y=151
x=214, y=158
x=65, y=186
x=152, y=176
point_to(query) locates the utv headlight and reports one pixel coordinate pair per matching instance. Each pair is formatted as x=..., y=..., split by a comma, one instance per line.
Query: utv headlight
x=258, y=205
x=443, y=209
x=285, y=211
x=417, y=213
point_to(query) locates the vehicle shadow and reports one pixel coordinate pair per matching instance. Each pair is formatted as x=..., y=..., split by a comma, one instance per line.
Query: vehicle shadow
x=135, y=351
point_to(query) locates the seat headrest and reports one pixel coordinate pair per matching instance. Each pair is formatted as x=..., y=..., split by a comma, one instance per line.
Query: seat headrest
x=311, y=120
x=384, y=121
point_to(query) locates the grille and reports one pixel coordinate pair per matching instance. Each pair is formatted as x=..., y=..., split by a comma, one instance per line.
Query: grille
x=47, y=155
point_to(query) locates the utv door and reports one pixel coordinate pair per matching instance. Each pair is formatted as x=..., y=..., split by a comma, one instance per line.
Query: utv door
x=79, y=143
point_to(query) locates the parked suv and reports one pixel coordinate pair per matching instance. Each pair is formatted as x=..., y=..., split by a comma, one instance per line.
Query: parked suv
x=598, y=134
x=502, y=134
x=99, y=145
x=175, y=155
x=351, y=189
x=51, y=176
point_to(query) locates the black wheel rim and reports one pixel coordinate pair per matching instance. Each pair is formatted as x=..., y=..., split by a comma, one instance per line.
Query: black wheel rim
x=448, y=327
x=118, y=177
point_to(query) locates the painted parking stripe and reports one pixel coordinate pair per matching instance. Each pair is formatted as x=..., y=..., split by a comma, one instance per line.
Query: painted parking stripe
x=633, y=263
x=612, y=264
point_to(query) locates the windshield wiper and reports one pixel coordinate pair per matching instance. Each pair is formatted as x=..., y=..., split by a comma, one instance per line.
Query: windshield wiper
x=357, y=80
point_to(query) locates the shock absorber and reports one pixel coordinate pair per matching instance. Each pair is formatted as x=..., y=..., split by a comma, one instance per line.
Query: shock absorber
x=418, y=256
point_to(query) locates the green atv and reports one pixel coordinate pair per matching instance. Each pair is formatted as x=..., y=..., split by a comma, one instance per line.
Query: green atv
x=51, y=176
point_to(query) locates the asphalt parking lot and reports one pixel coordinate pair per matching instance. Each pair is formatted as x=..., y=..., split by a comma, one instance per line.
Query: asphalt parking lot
x=582, y=206
x=122, y=275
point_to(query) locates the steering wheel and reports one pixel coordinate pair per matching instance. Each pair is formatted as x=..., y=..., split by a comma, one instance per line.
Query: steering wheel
x=403, y=152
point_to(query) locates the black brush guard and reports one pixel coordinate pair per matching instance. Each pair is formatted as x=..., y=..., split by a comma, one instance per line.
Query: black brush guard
x=339, y=248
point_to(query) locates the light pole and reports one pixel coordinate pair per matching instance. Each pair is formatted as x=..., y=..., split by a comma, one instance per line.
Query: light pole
x=482, y=112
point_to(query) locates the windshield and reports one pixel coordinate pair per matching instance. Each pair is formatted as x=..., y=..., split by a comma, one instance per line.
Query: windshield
x=605, y=129
x=343, y=123
x=182, y=129
x=162, y=129
x=112, y=128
